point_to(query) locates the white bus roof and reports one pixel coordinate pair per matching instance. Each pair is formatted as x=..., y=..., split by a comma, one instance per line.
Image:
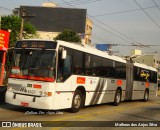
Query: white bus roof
x=145, y=66
x=91, y=50
x=94, y=51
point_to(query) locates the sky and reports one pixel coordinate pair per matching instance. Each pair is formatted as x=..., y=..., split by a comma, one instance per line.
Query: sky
x=131, y=24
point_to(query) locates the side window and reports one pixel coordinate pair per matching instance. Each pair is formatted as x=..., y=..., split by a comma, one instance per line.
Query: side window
x=67, y=65
x=97, y=65
x=120, y=69
x=78, y=62
x=88, y=64
x=153, y=77
x=108, y=69
x=145, y=75
x=137, y=73
x=64, y=65
x=141, y=74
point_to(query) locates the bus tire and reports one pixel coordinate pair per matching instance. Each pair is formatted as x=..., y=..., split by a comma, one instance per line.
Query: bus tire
x=77, y=101
x=146, y=96
x=117, y=98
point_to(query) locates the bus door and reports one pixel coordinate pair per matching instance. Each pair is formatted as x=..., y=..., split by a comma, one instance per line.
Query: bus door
x=129, y=81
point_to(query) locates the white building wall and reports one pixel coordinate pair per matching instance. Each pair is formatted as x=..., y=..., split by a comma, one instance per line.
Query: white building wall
x=145, y=59
x=47, y=35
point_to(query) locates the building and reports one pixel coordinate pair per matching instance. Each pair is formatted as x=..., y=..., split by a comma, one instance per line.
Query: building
x=134, y=52
x=50, y=20
x=149, y=59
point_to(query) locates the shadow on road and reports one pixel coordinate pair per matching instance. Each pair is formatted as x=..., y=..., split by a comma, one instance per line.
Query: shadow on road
x=26, y=110
x=7, y=106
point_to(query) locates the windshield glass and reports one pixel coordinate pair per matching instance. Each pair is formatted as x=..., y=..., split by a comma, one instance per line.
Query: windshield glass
x=34, y=64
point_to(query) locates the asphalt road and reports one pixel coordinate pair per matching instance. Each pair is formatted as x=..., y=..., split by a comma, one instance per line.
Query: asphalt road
x=101, y=115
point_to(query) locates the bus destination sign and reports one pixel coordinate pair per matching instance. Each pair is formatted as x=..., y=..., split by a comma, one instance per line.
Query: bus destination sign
x=36, y=44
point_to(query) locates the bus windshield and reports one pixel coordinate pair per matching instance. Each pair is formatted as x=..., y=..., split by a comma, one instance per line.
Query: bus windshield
x=34, y=64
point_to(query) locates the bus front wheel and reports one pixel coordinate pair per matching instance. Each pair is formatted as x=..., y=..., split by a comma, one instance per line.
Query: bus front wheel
x=77, y=101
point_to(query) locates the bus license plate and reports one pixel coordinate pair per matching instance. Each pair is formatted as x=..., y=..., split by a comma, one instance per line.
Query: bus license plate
x=28, y=91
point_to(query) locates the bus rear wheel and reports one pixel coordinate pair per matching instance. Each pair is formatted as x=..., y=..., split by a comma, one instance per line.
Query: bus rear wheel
x=117, y=98
x=146, y=95
x=77, y=101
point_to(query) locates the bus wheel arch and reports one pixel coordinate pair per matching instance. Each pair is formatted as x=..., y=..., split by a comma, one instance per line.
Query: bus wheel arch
x=118, y=96
x=78, y=100
x=146, y=95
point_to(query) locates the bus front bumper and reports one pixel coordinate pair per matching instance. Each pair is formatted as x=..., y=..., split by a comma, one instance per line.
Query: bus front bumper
x=29, y=101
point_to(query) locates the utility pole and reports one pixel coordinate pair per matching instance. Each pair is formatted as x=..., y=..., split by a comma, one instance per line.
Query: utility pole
x=22, y=24
x=24, y=15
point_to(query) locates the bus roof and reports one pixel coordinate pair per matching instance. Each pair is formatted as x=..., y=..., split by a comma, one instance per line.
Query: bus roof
x=90, y=50
x=145, y=66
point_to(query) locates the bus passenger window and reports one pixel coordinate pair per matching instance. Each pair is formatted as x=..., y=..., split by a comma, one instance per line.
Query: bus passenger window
x=77, y=62
x=64, y=66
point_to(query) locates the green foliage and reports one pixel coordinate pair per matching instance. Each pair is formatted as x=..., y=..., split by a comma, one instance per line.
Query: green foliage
x=13, y=23
x=69, y=36
x=30, y=30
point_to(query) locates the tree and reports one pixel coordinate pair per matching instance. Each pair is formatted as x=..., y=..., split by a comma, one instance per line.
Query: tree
x=69, y=36
x=13, y=23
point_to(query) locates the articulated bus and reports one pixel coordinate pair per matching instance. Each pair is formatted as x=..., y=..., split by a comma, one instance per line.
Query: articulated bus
x=55, y=75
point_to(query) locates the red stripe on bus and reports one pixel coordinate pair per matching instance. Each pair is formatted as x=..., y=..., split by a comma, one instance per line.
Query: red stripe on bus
x=17, y=76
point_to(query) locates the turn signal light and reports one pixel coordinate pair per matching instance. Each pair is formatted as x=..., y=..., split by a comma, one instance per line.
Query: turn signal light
x=49, y=93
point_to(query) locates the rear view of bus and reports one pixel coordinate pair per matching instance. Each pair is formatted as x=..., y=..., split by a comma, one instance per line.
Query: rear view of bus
x=31, y=81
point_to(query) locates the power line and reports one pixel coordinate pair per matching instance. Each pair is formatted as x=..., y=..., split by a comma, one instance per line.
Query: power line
x=115, y=31
x=68, y=3
x=147, y=14
x=140, y=45
x=107, y=26
x=132, y=44
x=10, y=10
x=110, y=32
x=123, y=11
x=156, y=4
x=75, y=3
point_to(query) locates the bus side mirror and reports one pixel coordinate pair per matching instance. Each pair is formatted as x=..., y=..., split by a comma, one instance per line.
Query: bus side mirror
x=64, y=54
